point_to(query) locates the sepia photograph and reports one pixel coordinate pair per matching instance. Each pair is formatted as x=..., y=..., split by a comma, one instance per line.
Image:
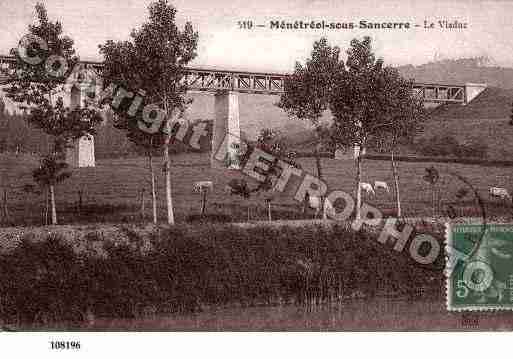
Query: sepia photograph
x=255, y=166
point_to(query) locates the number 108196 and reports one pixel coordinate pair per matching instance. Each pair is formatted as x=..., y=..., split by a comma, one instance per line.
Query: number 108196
x=65, y=345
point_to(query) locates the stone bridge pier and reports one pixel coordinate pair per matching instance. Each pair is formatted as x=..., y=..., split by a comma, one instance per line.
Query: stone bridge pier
x=226, y=134
x=81, y=151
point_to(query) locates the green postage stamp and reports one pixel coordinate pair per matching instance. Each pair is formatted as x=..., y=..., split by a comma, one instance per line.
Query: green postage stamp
x=479, y=267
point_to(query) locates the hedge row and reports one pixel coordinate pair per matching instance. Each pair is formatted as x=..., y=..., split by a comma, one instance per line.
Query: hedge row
x=184, y=271
x=442, y=159
x=423, y=159
x=447, y=145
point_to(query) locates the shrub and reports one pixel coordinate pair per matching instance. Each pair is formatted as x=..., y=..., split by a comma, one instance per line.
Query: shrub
x=474, y=148
x=41, y=282
x=448, y=146
x=439, y=146
x=189, y=268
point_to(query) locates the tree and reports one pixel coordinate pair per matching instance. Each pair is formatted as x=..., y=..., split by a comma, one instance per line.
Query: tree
x=203, y=187
x=240, y=187
x=51, y=172
x=270, y=141
x=404, y=115
x=153, y=60
x=369, y=103
x=432, y=176
x=38, y=89
x=307, y=90
x=150, y=143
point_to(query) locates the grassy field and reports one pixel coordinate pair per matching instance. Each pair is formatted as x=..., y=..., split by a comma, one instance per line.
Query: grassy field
x=112, y=189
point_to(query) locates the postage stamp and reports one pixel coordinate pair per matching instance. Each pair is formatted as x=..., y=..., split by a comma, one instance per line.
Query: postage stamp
x=479, y=267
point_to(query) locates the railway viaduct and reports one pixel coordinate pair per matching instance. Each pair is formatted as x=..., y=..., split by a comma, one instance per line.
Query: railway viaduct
x=225, y=85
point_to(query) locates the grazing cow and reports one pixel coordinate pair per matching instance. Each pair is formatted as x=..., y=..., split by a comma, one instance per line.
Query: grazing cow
x=500, y=192
x=367, y=187
x=315, y=202
x=381, y=184
x=202, y=186
x=327, y=208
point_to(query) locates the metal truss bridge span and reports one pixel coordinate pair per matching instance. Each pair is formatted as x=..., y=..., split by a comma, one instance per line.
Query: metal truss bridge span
x=198, y=79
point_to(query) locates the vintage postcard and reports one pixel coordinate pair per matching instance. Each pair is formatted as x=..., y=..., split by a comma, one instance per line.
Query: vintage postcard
x=255, y=166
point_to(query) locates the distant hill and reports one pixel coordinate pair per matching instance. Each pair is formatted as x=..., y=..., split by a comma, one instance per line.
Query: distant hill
x=459, y=72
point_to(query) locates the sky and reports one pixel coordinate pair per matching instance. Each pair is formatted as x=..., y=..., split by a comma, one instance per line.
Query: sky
x=224, y=45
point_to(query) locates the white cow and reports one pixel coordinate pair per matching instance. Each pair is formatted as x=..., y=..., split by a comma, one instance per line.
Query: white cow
x=381, y=184
x=500, y=192
x=202, y=186
x=315, y=202
x=367, y=187
x=327, y=208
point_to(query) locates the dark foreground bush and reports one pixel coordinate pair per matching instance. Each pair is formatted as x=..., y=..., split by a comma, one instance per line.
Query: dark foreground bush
x=41, y=280
x=189, y=269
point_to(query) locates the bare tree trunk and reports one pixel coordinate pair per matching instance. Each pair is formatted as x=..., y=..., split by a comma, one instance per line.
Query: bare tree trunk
x=305, y=203
x=167, y=169
x=358, y=187
x=433, y=199
x=396, y=184
x=79, y=209
x=203, y=201
x=153, y=194
x=52, y=203
x=269, y=211
x=27, y=212
x=325, y=210
x=46, y=207
x=5, y=209
x=143, y=202
x=318, y=164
